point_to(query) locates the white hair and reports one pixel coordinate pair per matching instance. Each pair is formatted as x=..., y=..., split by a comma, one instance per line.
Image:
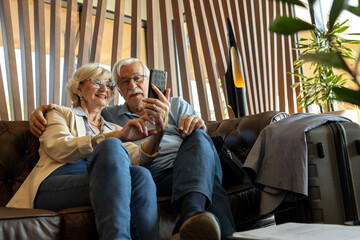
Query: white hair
x=124, y=62
x=83, y=74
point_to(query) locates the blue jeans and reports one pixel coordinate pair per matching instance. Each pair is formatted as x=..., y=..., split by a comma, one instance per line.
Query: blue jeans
x=123, y=196
x=197, y=168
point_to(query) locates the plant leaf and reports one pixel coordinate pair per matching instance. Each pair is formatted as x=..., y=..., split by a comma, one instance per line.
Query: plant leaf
x=347, y=95
x=329, y=59
x=296, y=2
x=354, y=10
x=295, y=85
x=336, y=9
x=288, y=25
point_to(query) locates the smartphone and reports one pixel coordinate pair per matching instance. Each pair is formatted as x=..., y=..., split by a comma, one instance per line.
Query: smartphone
x=158, y=78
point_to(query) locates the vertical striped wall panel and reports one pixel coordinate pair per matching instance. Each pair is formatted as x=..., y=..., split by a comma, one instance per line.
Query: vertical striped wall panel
x=26, y=61
x=151, y=37
x=117, y=36
x=221, y=21
x=135, y=29
x=3, y=110
x=196, y=59
x=85, y=33
x=40, y=53
x=70, y=43
x=55, y=52
x=183, y=57
x=98, y=31
x=168, y=46
x=209, y=58
x=9, y=52
x=187, y=38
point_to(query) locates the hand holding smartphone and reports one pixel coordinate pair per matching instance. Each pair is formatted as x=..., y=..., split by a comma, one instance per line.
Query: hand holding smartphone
x=158, y=78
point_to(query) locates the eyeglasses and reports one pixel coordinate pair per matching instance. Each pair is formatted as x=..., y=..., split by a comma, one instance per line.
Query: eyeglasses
x=97, y=83
x=126, y=81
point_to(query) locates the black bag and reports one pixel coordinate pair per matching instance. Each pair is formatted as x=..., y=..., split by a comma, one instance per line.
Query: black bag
x=233, y=172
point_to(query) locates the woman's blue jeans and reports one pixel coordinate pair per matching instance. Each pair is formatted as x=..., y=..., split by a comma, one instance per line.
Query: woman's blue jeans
x=123, y=196
x=197, y=168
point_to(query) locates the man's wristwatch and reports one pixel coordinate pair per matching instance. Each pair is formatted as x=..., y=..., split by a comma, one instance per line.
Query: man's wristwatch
x=99, y=138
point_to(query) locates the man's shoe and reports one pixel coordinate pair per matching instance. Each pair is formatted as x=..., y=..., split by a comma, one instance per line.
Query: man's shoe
x=202, y=226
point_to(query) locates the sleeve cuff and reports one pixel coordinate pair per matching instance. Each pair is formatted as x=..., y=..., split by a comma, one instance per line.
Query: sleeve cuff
x=147, y=159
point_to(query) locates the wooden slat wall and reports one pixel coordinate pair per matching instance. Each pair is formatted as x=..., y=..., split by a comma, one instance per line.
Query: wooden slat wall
x=98, y=31
x=190, y=44
x=55, y=52
x=85, y=33
x=40, y=53
x=267, y=57
x=9, y=52
x=3, y=109
x=168, y=46
x=182, y=50
x=209, y=59
x=151, y=37
x=70, y=42
x=221, y=21
x=26, y=61
x=197, y=59
x=117, y=36
x=216, y=39
x=136, y=29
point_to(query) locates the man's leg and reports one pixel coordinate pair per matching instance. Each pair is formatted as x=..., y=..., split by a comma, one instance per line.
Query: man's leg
x=197, y=169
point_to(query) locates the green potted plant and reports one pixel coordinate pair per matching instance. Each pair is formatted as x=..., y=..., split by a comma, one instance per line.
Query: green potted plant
x=288, y=25
x=319, y=87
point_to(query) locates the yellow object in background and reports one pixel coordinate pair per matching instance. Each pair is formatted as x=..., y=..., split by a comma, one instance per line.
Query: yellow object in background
x=238, y=79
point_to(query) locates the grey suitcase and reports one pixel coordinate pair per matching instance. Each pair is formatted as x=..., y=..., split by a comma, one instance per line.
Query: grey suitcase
x=334, y=173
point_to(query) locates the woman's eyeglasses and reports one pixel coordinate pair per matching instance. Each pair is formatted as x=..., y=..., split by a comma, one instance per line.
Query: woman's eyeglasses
x=97, y=83
x=126, y=81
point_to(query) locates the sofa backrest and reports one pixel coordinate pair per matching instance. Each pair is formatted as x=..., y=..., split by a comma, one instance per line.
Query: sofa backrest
x=240, y=134
x=19, y=148
x=18, y=156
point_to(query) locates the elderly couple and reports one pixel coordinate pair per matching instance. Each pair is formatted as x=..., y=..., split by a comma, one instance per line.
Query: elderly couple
x=101, y=155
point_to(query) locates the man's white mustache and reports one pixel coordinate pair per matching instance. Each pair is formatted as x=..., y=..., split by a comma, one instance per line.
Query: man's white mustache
x=134, y=91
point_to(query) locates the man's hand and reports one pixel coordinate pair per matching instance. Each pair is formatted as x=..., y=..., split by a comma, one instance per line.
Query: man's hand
x=158, y=108
x=37, y=120
x=189, y=123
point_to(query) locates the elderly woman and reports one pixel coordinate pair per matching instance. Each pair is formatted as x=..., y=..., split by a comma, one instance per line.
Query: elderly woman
x=85, y=160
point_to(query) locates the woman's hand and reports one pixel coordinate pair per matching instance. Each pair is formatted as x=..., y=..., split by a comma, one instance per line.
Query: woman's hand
x=136, y=129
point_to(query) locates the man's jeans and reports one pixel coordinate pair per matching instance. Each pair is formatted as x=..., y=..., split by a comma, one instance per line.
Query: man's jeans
x=123, y=196
x=197, y=168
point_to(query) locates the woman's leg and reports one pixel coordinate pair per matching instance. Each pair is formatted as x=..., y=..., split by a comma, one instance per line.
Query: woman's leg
x=66, y=187
x=144, y=216
x=112, y=186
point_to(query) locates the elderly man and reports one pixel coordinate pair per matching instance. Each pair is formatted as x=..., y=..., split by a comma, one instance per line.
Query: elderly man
x=188, y=167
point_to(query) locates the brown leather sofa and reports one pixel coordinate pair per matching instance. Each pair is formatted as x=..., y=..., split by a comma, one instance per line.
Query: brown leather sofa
x=19, y=153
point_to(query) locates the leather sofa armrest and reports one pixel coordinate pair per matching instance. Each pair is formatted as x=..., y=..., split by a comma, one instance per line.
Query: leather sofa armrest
x=13, y=213
x=240, y=134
